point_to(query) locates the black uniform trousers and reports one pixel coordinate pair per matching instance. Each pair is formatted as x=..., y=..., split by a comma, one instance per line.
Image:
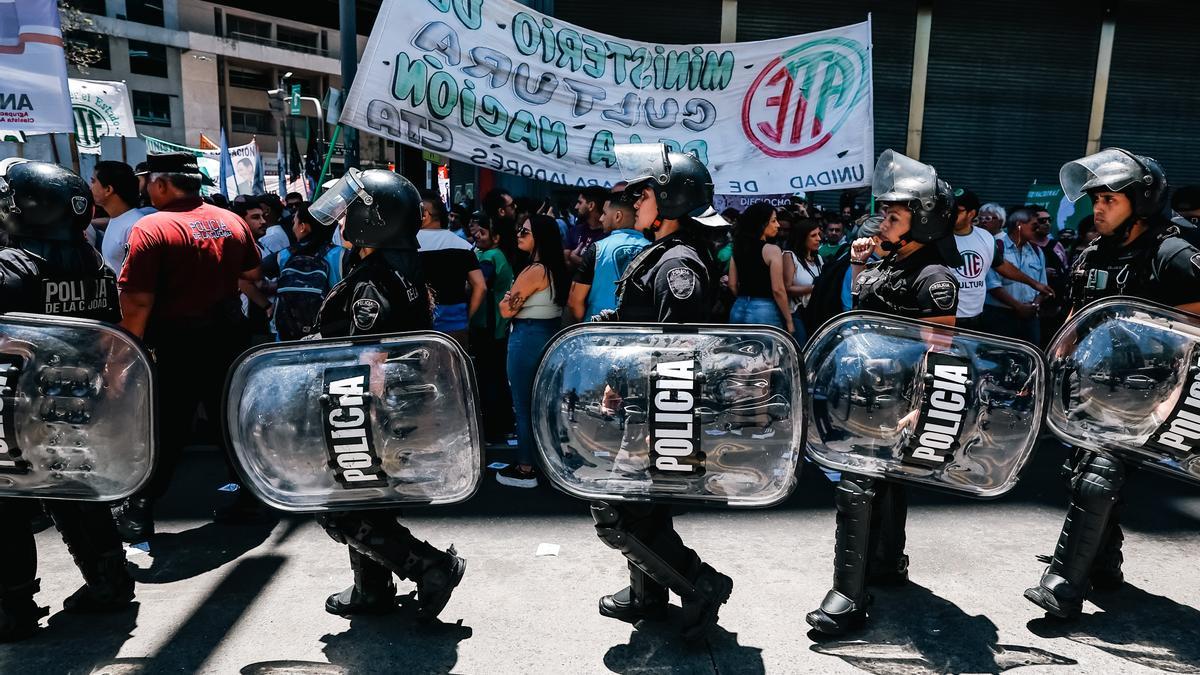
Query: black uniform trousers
x=192, y=359
x=86, y=527
x=653, y=525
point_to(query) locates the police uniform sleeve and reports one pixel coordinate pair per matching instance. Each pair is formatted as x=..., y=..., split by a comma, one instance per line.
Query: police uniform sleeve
x=937, y=292
x=587, y=271
x=370, y=309
x=1179, y=272
x=679, y=292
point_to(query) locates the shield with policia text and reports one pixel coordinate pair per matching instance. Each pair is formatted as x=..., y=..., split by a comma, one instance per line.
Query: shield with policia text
x=1125, y=377
x=920, y=403
x=670, y=413
x=366, y=422
x=77, y=402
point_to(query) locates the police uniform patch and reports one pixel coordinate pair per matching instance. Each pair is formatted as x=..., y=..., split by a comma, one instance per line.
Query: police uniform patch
x=78, y=205
x=943, y=294
x=682, y=282
x=1196, y=261
x=366, y=313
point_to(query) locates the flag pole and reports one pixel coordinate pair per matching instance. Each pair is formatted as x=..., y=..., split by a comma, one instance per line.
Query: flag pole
x=337, y=132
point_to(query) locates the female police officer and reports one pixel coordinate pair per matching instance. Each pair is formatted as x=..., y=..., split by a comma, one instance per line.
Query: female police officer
x=382, y=292
x=913, y=280
x=670, y=281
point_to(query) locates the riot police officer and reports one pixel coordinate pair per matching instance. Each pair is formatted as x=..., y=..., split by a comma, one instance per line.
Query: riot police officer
x=914, y=279
x=670, y=281
x=44, y=210
x=1139, y=253
x=382, y=292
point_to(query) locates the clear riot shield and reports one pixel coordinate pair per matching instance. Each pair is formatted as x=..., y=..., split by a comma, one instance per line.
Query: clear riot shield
x=924, y=404
x=77, y=405
x=1125, y=377
x=708, y=414
x=341, y=424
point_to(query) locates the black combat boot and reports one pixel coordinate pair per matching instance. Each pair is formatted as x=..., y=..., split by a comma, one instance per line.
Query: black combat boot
x=19, y=614
x=643, y=598
x=1106, y=570
x=108, y=587
x=373, y=591
x=887, y=565
x=700, y=610
x=845, y=605
x=90, y=535
x=440, y=573
x=1094, y=490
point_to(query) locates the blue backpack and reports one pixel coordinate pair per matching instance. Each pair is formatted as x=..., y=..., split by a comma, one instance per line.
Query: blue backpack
x=304, y=281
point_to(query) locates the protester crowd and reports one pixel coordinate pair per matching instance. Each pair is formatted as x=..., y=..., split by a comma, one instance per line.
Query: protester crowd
x=506, y=276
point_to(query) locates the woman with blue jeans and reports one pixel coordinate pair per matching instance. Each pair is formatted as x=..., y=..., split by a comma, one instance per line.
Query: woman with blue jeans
x=756, y=272
x=534, y=303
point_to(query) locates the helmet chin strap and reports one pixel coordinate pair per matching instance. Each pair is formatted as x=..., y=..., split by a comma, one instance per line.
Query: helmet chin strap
x=892, y=246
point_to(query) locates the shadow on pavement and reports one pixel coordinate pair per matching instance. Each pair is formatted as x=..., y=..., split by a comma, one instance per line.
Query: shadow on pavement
x=1137, y=626
x=655, y=647
x=372, y=641
x=44, y=651
x=912, y=631
x=183, y=555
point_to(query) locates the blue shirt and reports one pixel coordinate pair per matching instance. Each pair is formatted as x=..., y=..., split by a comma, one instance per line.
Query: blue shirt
x=603, y=264
x=1027, y=258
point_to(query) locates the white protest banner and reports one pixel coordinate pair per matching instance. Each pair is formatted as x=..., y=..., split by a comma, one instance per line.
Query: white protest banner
x=101, y=109
x=34, y=97
x=244, y=158
x=496, y=84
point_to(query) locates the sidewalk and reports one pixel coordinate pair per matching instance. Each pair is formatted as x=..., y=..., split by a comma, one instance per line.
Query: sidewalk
x=249, y=599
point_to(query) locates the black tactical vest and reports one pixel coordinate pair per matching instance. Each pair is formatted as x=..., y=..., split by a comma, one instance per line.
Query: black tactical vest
x=87, y=290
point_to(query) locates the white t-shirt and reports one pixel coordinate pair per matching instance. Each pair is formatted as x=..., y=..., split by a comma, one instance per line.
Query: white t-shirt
x=978, y=249
x=274, y=240
x=806, y=275
x=112, y=244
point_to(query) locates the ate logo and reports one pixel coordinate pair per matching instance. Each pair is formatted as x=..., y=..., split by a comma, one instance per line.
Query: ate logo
x=972, y=264
x=800, y=99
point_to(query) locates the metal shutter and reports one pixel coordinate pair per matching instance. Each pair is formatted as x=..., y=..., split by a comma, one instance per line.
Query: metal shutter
x=1153, y=105
x=697, y=21
x=1009, y=92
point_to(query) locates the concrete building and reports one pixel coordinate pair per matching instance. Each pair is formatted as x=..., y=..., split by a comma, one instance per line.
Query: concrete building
x=195, y=67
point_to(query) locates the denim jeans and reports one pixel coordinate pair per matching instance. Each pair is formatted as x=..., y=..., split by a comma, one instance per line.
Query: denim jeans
x=525, y=345
x=756, y=310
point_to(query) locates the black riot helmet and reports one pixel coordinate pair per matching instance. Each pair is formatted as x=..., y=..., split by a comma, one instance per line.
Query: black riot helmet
x=382, y=209
x=1138, y=177
x=681, y=183
x=39, y=200
x=903, y=180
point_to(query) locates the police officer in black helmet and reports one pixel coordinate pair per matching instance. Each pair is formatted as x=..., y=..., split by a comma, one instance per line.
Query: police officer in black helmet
x=670, y=281
x=44, y=210
x=1139, y=253
x=382, y=292
x=914, y=280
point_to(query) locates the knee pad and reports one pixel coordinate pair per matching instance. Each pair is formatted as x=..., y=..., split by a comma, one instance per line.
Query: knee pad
x=854, y=493
x=1098, y=482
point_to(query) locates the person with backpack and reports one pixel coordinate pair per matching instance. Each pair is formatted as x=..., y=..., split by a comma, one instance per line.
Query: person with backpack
x=304, y=273
x=805, y=266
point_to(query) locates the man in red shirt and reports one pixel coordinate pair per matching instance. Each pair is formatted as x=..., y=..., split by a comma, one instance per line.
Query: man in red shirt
x=179, y=293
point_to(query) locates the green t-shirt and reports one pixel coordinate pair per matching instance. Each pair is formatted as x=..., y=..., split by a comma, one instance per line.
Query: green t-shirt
x=724, y=255
x=499, y=277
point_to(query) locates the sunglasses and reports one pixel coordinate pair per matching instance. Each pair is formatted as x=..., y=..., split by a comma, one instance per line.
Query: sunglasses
x=524, y=232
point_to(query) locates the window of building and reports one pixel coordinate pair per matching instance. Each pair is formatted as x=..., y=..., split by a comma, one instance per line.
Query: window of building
x=91, y=6
x=251, y=121
x=149, y=12
x=248, y=78
x=296, y=40
x=151, y=108
x=147, y=58
x=241, y=28
x=95, y=45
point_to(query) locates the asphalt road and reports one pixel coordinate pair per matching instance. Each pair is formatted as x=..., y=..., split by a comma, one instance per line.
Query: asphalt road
x=249, y=598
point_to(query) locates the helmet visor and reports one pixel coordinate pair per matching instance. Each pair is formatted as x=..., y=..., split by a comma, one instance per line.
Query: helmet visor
x=333, y=203
x=1110, y=168
x=641, y=161
x=898, y=178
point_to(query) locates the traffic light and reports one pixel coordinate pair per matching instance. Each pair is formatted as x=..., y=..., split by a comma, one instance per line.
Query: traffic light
x=277, y=99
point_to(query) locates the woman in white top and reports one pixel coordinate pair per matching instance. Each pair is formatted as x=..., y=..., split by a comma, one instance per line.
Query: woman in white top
x=535, y=304
x=801, y=268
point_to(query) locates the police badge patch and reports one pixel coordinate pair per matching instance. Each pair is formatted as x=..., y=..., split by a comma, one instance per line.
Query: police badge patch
x=682, y=282
x=79, y=205
x=366, y=313
x=1196, y=261
x=943, y=294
